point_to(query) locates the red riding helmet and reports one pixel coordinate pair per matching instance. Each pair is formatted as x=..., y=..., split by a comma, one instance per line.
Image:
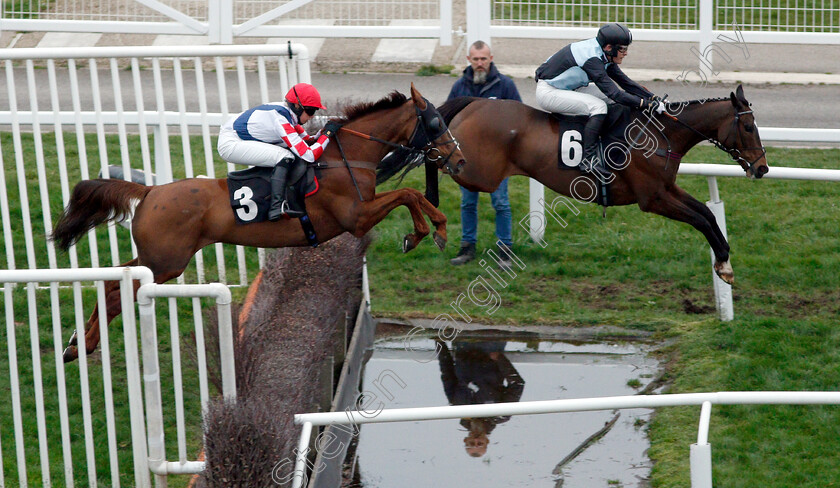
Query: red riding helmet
x=306, y=95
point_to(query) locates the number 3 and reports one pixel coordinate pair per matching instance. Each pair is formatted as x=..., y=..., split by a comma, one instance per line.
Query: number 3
x=248, y=209
x=572, y=149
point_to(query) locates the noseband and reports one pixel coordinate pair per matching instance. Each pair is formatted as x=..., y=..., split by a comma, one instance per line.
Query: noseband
x=734, y=153
x=428, y=129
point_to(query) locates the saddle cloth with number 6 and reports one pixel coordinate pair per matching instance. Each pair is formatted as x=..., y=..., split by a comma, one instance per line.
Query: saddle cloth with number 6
x=250, y=191
x=570, y=143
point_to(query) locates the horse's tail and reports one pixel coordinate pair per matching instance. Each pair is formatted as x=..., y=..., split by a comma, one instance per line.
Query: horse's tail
x=451, y=108
x=95, y=202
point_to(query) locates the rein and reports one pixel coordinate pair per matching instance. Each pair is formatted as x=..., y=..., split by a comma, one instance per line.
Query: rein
x=734, y=153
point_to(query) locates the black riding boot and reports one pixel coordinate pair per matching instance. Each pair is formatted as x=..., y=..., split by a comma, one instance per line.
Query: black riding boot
x=590, y=142
x=279, y=207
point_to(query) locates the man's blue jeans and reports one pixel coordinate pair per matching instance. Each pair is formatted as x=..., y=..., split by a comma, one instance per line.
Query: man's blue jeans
x=469, y=215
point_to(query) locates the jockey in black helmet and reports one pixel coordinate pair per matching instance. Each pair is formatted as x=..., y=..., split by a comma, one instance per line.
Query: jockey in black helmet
x=563, y=81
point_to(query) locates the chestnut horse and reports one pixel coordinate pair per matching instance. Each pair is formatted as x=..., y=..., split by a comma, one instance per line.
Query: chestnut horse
x=172, y=222
x=502, y=138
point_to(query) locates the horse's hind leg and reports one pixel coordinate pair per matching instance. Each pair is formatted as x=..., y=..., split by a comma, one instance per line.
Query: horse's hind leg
x=374, y=211
x=113, y=307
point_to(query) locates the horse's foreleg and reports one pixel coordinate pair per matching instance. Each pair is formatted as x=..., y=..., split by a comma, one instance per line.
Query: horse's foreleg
x=679, y=205
x=383, y=203
x=703, y=210
x=438, y=220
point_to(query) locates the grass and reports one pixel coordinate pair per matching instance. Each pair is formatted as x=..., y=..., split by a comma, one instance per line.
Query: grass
x=642, y=271
x=433, y=69
x=23, y=9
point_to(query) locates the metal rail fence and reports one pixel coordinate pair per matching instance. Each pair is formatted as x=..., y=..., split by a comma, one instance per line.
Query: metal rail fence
x=222, y=20
x=81, y=434
x=700, y=452
x=704, y=22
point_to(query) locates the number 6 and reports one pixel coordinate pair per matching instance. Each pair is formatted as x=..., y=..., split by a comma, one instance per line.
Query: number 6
x=572, y=149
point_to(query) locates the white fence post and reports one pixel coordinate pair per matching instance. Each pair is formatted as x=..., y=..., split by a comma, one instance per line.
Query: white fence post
x=445, y=22
x=701, y=453
x=151, y=368
x=226, y=19
x=478, y=21
x=723, y=290
x=537, y=223
x=706, y=24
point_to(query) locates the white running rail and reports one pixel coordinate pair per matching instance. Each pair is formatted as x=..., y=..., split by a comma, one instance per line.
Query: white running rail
x=701, y=452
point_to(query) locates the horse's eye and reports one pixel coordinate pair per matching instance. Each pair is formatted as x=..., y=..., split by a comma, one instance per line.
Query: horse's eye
x=435, y=124
x=749, y=127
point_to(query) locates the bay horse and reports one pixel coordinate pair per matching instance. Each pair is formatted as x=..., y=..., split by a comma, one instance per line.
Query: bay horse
x=172, y=222
x=501, y=138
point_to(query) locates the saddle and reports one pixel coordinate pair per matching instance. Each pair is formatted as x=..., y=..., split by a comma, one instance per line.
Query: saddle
x=570, y=141
x=250, y=192
x=570, y=144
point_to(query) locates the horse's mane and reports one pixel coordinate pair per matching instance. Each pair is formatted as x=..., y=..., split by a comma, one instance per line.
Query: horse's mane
x=699, y=101
x=452, y=107
x=400, y=158
x=392, y=100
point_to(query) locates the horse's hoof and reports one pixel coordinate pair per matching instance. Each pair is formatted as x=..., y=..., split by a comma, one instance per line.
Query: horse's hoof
x=409, y=243
x=70, y=354
x=439, y=240
x=725, y=272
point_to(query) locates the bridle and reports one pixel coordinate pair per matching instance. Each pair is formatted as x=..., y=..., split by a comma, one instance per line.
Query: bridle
x=734, y=153
x=428, y=129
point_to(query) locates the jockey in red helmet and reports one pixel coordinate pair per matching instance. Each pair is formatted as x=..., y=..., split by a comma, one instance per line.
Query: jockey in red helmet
x=272, y=135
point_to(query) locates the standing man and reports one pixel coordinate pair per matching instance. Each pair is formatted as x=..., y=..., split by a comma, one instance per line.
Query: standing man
x=482, y=79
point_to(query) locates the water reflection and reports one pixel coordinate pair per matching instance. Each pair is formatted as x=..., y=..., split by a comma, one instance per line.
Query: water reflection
x=477, y=372
x=524, y=450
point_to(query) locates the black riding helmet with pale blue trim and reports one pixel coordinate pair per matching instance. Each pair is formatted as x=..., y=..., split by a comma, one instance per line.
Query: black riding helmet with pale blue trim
x=614, y=34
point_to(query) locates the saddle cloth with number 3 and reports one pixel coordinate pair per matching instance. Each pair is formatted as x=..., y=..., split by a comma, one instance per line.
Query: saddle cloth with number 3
x=250, y=191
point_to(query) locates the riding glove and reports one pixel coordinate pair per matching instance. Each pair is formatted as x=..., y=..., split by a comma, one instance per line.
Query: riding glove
x=331, y=128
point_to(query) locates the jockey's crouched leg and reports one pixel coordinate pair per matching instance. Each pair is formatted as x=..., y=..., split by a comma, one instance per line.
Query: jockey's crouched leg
x=279, y=177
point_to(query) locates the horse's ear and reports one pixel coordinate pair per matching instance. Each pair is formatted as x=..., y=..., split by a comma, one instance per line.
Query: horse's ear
x=739, y=94
x=417, y=98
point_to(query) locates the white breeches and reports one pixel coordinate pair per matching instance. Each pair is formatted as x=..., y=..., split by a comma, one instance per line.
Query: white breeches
x=255, y=153
x=587, y=100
